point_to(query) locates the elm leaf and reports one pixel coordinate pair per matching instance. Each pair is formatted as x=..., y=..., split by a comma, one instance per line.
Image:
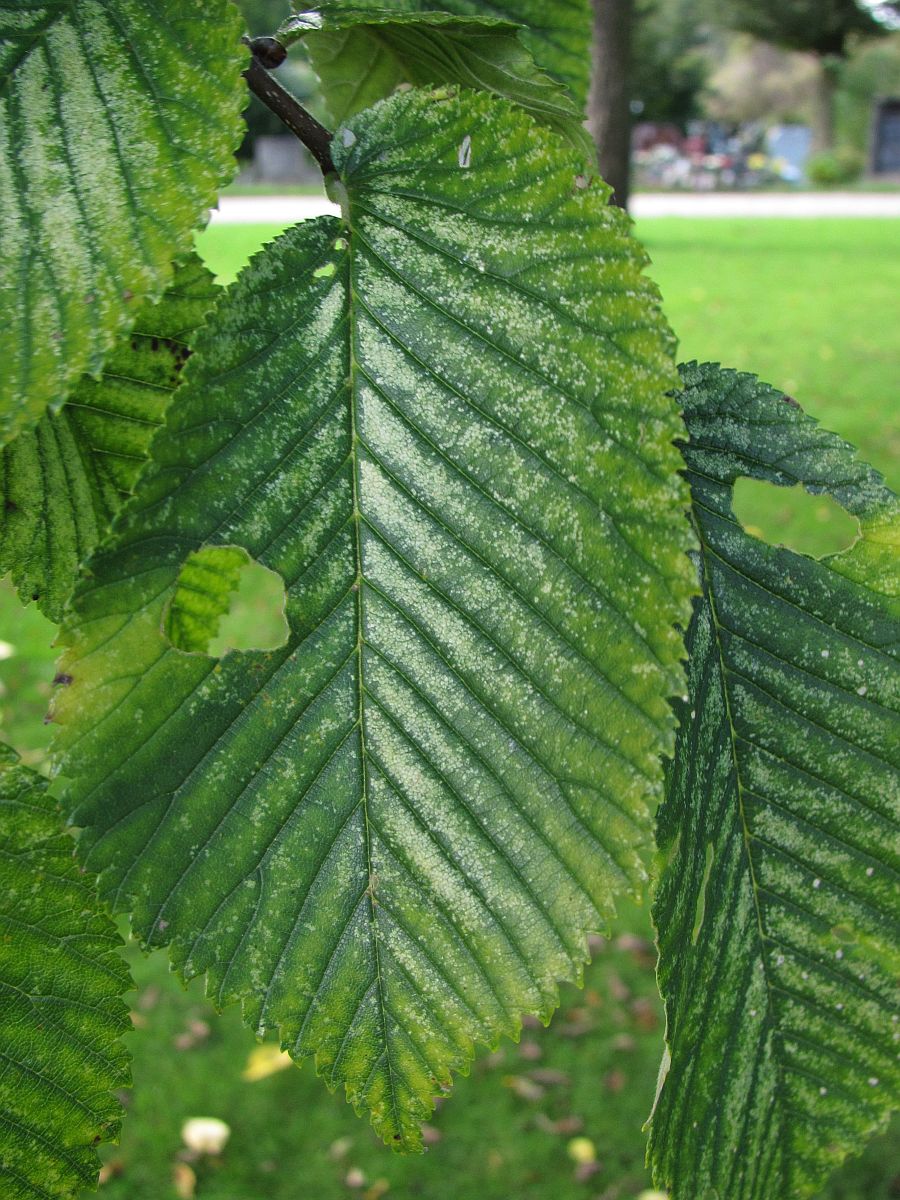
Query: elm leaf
x=62, y=482
x=61, y=1010
x=778, y=908
x=118, y=123
x=443, y=419
x=362, y=54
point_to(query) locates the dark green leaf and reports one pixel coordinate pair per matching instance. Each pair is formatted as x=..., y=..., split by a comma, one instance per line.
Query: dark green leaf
x=778, y=908
x=443, y=421
x=362, y=54
x=61, y=1012
x=62, y=482
x=557, y=32
x=118, y=122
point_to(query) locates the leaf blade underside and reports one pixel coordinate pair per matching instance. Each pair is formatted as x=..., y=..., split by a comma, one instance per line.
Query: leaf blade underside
x=61, y=1012
x=363, y=54
x=777, y=910
x=557, y=32
x=118, y=124
x=444, y=422
x=62, y=481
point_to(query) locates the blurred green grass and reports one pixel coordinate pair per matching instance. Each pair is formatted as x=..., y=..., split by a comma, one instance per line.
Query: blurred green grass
x=811, y=307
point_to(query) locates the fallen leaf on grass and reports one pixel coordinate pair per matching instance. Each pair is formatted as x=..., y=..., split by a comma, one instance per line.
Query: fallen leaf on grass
x=110, y=1170
x=265, y=1060
x=582, y=1150
x=615, y=1082
x=549, y=1077
x=618, y=988
x=184, y=1181
x=196, y=1032
x=645, y=1013
x=568, y=1125
x=585, y=1171
x=523, y=1087
x=148, y=998
x=430, y=1135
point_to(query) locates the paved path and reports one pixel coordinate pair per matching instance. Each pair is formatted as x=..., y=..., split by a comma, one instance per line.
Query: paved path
x=285, y=210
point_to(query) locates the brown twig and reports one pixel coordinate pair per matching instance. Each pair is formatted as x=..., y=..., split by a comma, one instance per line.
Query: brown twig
x=314, y=136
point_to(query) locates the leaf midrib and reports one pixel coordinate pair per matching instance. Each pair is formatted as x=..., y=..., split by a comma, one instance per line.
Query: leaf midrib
x=360, y=648
x=709, y=594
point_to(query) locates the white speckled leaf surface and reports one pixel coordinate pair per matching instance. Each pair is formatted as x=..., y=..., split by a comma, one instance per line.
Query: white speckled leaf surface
x=62, y=481
x=118, y=124
x=778, y=910
x=444, y=421
x=62, y=1015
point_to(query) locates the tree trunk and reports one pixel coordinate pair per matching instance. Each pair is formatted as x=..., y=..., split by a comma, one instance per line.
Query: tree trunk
x=823, y=131
x=609, y=106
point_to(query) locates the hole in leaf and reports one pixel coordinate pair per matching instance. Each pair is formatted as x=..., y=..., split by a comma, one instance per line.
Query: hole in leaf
x=225, y=600
x=813, y=525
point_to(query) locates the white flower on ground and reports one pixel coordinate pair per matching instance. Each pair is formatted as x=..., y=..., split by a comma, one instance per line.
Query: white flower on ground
x=205, y=1135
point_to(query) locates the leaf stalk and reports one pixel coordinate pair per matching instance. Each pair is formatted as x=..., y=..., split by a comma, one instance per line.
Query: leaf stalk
x=314, y=136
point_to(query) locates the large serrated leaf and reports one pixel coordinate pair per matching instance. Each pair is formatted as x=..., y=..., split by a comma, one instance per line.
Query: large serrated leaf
x=62, y=482
x=118, y=123
x=443, y=421
x=61, y=1012
x=778, y=908
x=557, y=32
x=362, y=54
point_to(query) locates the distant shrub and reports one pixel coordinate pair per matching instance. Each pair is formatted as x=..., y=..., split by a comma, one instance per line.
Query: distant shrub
x=835, y=167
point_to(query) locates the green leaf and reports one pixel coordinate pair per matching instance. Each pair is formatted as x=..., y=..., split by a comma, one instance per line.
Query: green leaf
x=62, y=482
x=202, y=596
x=450, y=435
x=118, y=123
x=778, y=907
x=61, y=1012
x=557, y=32
x=362, y=54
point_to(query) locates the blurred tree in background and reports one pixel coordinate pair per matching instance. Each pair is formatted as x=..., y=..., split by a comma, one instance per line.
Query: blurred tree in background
x=649, y=61
x=825, y=29
x=756, y=81
x=670, y=60
x=821, y=62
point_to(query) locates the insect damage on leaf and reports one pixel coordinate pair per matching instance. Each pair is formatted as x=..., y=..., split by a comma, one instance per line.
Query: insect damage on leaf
x=778, y=906
x=443, y=421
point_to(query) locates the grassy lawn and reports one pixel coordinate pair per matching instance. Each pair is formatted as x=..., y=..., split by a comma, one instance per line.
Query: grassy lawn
x=810, y=306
